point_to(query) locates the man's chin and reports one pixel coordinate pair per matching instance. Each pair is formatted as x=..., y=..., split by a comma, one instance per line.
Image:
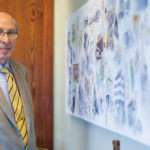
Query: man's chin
x=4, y=56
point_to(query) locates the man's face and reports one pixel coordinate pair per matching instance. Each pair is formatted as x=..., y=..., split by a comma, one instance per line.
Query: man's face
x=7, y=44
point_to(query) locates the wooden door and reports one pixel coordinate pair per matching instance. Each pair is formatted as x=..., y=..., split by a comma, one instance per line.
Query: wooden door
x=34, y=49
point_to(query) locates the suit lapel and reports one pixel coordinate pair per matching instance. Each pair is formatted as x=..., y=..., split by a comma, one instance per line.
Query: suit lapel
x=6, y=108
x=20, y=81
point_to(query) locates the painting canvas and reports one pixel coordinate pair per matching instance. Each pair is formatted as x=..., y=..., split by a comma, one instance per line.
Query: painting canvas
x=108, y=66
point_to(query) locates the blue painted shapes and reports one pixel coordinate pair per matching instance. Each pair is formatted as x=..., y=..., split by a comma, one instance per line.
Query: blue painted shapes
x=141, y=5
x=128, y=39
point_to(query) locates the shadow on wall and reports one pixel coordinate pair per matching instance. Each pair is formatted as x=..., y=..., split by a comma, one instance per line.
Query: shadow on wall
x=74, y=5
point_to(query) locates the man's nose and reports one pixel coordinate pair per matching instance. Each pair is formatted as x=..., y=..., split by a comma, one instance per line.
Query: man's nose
x=5, y=38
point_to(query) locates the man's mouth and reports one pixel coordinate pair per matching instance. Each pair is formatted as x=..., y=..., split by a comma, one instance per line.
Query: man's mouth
x=5, y=48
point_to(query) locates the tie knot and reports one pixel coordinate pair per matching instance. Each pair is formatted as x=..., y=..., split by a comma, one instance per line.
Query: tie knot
x=4, y=70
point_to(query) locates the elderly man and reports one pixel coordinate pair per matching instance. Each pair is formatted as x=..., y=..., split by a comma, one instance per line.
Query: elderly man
x=16, y=109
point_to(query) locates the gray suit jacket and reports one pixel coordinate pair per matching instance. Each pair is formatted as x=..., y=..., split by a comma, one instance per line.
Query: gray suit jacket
x=10, y=138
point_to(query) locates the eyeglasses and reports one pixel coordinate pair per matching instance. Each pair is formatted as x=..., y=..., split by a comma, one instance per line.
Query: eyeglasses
x=12, y=35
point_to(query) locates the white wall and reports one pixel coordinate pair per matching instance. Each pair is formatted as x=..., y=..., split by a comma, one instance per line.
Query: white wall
x=71, y=133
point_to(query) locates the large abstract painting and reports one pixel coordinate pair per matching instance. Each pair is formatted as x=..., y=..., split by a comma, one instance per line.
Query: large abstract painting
x=108, y=66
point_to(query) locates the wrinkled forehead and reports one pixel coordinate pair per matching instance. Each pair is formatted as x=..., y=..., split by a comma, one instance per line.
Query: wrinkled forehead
x=7, y=22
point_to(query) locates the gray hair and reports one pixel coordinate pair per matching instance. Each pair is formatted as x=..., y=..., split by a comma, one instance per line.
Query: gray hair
x=16, y=25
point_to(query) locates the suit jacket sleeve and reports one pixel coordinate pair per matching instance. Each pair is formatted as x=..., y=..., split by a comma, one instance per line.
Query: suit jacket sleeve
x=32, y=129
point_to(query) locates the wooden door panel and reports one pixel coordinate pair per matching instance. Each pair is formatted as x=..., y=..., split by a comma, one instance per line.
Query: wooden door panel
x=34, y=49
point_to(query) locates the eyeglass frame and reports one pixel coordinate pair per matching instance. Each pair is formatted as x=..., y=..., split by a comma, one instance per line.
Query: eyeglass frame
x=8, y=34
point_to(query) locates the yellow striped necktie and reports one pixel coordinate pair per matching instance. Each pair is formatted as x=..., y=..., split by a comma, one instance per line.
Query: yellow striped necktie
x=17, y=105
